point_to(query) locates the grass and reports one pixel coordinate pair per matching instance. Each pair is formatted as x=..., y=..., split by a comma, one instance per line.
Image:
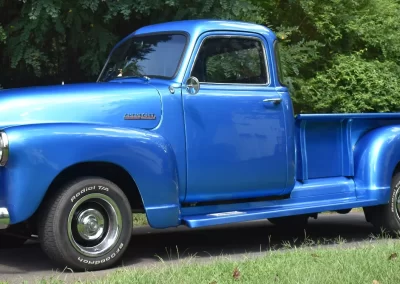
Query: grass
x=139, y=220
x=373, y=263
x=308, y=262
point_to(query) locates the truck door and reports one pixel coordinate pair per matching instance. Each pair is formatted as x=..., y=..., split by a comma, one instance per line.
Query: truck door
x=235, y=121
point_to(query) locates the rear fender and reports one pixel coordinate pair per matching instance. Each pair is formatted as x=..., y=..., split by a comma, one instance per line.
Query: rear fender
x=38, y=153
x=376, y=156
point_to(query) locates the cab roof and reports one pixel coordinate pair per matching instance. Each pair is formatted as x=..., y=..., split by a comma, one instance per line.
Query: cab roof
x=197, y=27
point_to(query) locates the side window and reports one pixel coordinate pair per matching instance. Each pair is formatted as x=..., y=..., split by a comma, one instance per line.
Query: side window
x=231, y=60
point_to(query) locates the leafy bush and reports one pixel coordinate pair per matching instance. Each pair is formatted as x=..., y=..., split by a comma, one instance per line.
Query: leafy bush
x=353, y=84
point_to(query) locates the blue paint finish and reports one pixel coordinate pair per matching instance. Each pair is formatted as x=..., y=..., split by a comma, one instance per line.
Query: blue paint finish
x=100, y=103
x=288, y=113
x=341, y=116
x=325, y=143
x=342, y=188
x=312, y=189
x=322, y=149
x=222, y=143
x=376, y=156
x=236, y=143
x=39, y=152
x=172, y=128
x=280, y=210
x=314, y=196
x=236, y=146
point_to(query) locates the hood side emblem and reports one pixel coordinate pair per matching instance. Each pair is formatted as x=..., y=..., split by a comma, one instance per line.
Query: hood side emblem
x=139, y=116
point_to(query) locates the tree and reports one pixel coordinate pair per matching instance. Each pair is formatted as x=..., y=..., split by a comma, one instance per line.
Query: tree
x=339, y=55
x=46, y=41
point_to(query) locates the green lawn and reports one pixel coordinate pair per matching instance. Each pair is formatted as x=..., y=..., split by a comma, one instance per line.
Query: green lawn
x=374, y=263
x=139, y=219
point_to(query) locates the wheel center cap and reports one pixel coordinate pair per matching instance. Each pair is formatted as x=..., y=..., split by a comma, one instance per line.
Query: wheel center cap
x=90, y=224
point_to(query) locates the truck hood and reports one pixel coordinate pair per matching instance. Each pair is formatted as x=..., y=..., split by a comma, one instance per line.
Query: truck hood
x=132, y=105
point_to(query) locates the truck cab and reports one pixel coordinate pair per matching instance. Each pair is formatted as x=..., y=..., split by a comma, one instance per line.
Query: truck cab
x=190, y=123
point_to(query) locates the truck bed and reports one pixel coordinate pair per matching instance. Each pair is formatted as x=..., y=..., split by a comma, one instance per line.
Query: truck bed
x=325, y=142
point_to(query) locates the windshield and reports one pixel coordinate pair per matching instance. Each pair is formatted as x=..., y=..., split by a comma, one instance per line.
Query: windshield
x=152, y=56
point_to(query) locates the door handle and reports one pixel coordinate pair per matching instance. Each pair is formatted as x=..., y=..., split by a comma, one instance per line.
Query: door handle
x=274, y=100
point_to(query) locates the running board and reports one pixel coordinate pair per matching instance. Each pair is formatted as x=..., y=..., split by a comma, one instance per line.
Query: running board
x=275, y=210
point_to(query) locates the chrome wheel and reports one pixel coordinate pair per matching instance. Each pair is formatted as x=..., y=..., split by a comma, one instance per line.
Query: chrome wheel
x=94, y=225
x=90, y=224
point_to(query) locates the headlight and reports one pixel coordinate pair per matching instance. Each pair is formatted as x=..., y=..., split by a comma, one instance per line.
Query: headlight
x=3, y=148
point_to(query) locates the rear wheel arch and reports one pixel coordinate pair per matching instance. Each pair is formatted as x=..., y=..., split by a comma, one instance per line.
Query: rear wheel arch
x=387, y=216
x=376, y=159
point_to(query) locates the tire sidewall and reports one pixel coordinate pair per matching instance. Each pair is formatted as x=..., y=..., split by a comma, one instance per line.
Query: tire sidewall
x=73, y=194
x=394, y=193
x=394, y=219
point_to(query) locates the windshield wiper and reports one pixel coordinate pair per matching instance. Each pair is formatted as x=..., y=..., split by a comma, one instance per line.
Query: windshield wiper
x=146, y=78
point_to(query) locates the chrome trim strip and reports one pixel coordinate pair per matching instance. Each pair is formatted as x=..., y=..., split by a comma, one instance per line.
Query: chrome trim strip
x=4, y=217
x=234, y=35
x=4, y=157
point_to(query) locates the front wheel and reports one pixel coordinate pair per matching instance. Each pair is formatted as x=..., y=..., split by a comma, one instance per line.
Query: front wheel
x=387, y=216
x=87, y=225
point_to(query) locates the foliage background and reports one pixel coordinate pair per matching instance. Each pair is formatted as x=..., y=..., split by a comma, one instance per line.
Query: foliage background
x=338, y=55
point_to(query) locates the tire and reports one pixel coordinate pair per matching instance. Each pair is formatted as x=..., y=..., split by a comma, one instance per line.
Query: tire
x=387, y=216
x=295, y=222
x=9, y=242
x=87, y=225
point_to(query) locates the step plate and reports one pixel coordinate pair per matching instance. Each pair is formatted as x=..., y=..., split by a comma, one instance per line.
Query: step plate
x=220, y=218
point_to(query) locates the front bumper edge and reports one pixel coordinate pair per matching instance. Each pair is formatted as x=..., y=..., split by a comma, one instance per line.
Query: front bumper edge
x=4, y=218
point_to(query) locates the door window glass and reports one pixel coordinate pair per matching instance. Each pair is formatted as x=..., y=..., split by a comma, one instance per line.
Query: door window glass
x=231, y=60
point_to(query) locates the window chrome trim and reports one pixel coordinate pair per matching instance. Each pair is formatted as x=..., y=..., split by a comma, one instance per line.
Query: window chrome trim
x=5, y=149
x=267, y=66
x=278, y=63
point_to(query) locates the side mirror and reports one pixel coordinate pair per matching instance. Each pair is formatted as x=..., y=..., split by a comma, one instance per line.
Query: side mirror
x=192, y=85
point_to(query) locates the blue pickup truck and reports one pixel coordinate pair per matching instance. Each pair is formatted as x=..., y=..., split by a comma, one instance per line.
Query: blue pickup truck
x=190, y=123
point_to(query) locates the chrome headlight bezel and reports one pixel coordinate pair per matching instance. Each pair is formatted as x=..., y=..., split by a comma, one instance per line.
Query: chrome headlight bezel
x=4, y=148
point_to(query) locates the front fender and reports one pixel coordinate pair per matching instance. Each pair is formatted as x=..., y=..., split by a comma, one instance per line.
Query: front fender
x=376, y=156
x=38, y=153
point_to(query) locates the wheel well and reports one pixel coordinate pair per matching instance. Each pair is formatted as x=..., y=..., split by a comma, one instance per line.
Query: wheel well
x=396, y=169
x=110, y=171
